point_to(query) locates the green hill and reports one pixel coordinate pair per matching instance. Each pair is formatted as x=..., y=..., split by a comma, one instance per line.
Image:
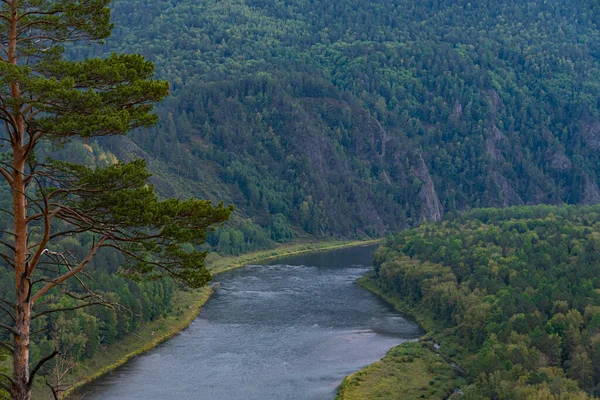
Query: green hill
x=355, y=118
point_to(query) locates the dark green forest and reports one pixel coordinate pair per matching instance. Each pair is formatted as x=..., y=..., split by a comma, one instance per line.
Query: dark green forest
x=514, y=296
x=357, y=118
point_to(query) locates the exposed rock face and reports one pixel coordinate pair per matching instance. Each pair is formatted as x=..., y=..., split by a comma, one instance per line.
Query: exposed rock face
x=495, y=99
x=508, y=196
x=384, y=135
x=431, y=209
x=547, y=135
x=560, y=162
x=317, y=151
x=591, y=194
x=387, y=178
x=590, y=130
x=317, y=144
x=126, y=150
x=495, y=137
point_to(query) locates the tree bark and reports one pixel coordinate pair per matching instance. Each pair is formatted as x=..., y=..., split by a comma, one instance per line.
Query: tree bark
x=21, y=389
x=21, y=385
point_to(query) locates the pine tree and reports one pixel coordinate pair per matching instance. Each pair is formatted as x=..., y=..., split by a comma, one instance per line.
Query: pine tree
x=44, y=97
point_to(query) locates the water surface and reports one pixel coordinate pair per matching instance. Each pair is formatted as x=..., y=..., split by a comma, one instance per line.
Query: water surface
x=290, y=330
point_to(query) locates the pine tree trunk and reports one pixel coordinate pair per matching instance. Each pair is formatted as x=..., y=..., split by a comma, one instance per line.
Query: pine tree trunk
x=21, y=387
x=21, y=334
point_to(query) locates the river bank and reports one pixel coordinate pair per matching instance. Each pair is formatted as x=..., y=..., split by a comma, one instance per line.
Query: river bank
x=409, y=371
x=412, y=370
x=217, y=264
x=301, y=323
x=187, y=306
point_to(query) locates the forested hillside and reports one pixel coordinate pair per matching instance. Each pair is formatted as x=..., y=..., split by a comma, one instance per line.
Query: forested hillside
x=359, y=117
x=82, y=333
x=513, y=295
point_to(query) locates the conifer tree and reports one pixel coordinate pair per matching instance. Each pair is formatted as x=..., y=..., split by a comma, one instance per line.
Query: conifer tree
x=44, y=97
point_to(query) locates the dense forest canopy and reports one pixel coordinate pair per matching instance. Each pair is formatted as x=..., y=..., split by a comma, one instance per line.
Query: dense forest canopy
x=356, y=118
x=359, y=117
x=514, y=295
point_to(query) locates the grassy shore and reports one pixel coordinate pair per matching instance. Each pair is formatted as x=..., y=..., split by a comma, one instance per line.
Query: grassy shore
x=434, y=333
x=413, y=370
x=218, y=264
x=410, y=371
x=187, y=307
x=424, y=320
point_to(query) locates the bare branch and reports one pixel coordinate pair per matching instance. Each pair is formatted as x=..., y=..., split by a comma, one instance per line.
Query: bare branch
x=72, y=272
x=10, y=246
x=6, y=211
x=54, y=391
x=9, y=328
x=6, y=176
x=48, y=216
x=51, y=299
x=8, y=303
x=8, y=311
x=8, y=260
x=7, y=377
x=8, y=347
x=67, y=233
x=39, y=365
x=97, y=303
x=61, y=368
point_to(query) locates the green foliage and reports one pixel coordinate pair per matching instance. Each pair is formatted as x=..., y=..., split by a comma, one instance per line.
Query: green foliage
x=81, y=334
x=123, y=90
x=516, y=288
x=280, y=229
x=322, y=111
x=62, y=214
x=239, y=237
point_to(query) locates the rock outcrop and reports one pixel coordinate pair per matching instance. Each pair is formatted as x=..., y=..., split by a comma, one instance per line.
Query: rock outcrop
x=431, y=209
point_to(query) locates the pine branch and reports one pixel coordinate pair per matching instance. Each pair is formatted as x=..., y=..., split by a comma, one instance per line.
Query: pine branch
x=9, y=328
x=98, y=303
x=57, y=281
x=8, y=347
x=7, y=377
x=8, y=311
x=5, y=388
x=39, y=365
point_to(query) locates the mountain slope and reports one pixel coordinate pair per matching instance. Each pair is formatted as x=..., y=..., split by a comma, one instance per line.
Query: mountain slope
x=356, y=118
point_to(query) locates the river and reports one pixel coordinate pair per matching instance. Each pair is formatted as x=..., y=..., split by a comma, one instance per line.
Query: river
x=291, y=329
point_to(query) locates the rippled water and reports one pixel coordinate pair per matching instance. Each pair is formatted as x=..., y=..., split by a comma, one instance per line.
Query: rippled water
x=291, y=330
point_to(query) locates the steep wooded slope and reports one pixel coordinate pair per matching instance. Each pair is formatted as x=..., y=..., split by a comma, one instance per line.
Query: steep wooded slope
x=359, y=117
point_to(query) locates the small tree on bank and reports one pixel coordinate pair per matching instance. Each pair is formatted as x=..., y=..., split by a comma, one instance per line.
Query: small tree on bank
x=43, y=97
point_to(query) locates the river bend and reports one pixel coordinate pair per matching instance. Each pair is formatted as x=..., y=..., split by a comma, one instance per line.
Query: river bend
x=289, y=330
